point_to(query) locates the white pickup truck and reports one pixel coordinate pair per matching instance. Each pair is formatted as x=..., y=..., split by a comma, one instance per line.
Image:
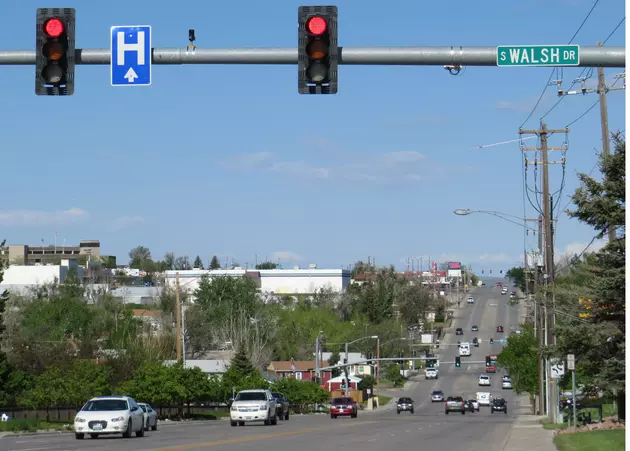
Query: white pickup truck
x=253, y=405
x=430, y=373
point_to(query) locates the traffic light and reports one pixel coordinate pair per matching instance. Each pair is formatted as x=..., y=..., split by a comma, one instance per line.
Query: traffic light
x=318, y=50
x=458, y=361
x=488, y=360
x=54, y=52
x=430, y=363
x=492, y=341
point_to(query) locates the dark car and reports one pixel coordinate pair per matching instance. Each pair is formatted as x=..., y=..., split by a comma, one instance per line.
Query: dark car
x=282, y=405
x=498, y=405
x=459, y=331
x=469, y=406
x=475, y=342
x=343, y=407
x=404, y=404
x=499, y=329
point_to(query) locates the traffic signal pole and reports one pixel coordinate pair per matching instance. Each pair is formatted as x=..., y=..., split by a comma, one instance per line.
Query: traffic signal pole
x=370, y=56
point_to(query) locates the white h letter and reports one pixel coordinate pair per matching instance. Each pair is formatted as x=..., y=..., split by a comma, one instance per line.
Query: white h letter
x=123, y=46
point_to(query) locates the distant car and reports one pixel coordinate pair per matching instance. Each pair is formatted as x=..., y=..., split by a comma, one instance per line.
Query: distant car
x=475, y=342
x=498, y=405
x=437, y=396
x=513, y=293
x=430, y=373
x=343, y=407
x=150, y=416
x=470, y=300
x=475, y=329
x=404, y=405
x=499, y=329
x=469, y=406
x=282, y=405
x=484, y=380
x=506, y=385
x=475, y=404
x=459, y=331
x=455, y=404
x=491, y=369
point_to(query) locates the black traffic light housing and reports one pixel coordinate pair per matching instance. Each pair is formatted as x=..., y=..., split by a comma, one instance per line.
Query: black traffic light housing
x=430, y=363
x=488, y=362
x=492, y=341
x=458, y=361
x=318, y=50
x=54, y=52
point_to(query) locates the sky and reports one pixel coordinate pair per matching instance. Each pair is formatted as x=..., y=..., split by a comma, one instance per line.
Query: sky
x=231, y=161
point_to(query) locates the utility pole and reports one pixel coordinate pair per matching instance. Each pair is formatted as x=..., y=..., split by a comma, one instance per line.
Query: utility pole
x=178, y=319
x=602, y=89
x=539, y=319
x=544, y=148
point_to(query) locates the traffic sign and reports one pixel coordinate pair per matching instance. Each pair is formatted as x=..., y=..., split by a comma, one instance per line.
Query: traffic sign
x=557, y=370
x=538, y=55
x=131, y=55
x=571, y=362
x=502, y=341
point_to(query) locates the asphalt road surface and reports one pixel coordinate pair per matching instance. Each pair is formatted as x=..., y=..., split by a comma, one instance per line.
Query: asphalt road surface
x=382, y=429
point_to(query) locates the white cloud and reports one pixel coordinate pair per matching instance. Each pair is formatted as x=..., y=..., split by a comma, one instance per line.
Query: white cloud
x=124, y=222
x=285, y=256
x=497, y=258
x=16, y=218
x=385, y=167
x=577, y=248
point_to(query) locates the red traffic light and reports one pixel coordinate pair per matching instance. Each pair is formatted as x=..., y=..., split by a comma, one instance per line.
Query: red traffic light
x=54, y=27
x=316, y=25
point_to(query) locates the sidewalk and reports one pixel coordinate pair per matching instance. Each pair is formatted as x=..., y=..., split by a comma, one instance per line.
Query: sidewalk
x=527, y=434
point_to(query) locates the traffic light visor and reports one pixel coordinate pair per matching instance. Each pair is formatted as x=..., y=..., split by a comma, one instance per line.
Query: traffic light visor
x=316, y=25
x=54, y=27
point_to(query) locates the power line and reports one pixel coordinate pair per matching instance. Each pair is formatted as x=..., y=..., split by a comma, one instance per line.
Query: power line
x=584, y=21
x=584, y=113
x=616, y=28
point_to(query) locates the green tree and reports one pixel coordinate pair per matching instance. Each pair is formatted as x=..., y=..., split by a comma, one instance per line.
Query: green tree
x=393, y=375
x=214, y=263
x=87, y=379
x=140, y=258
x=155, y=383
x=182, y=263
x=198, y=263
x=367, y=382
x=520, y=359
x=517, y=275
x=169, y=261
x=241, y=363
x=52, y=388
x=267, y=265
x=415, y=302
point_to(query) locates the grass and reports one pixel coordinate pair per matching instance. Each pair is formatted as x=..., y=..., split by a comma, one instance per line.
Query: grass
x=382, y=400
x=32, y=426
x=608, y=410
x=614, y=440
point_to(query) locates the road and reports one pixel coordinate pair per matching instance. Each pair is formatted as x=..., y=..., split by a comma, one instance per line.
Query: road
x=371, y=431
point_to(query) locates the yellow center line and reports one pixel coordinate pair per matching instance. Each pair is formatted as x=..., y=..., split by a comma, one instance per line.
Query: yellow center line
x=252, y=438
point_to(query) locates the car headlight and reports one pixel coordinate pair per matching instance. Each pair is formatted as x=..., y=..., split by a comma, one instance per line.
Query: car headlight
x=117, y=419
x=79, y=420
x=262, y=407
x=233, y=408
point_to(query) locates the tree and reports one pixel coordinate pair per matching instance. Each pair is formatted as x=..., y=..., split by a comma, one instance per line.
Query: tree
x=241, y=362
x=600, y=343
x=517, y=275
x=267, y=265
x=182, y=263
x=169, y=261
x=520, y=359
x=198, y=263
x=214, y=263
x=415, y=303
x=393, y=375
x=367, y=382
x=334, y=360
x=140, y=258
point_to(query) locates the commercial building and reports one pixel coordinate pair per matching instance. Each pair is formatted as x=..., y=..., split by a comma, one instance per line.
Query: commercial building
x=22, y=254
x=271, y=281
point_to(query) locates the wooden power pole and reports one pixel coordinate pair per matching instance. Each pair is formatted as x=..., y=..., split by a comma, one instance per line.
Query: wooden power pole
x=178, y=319
x=544, y=149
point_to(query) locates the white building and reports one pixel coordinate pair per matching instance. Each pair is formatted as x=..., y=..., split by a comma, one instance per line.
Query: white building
x=276, y=281
x=41, y=274
x=356, y=363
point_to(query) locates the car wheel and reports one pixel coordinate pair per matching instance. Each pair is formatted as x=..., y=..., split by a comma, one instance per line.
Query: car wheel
x=127, y=433
x=412, y=411
x=154, y=427
x=140, y=432
x=233, y=423
x=79, y=436
x=241, y=423
x=93, y=435
x=354, y=415
x=446, y=412
x=286, y=417
x=274, y=420
x=146, y=425
x=398, y=412
x=463, y=412
x=505, y=411
x=491, y=411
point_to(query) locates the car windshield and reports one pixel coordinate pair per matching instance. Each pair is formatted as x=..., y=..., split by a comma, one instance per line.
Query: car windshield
x=405, y=400
x=455, y=398
x=437, y=392
x=276, y=395
x=251, y=396
x=105, y=405
x=340, y=401
x=499, y=401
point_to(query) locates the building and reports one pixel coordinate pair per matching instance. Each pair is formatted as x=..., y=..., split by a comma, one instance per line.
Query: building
x=303, y=370
x=336, y=384
x=137, y=295
x=41, y=274
x=272, y=281
x=210, y=367
x=22, y=254
x=357, y=364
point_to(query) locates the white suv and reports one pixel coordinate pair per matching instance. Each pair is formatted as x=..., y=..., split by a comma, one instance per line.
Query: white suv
x=484, y=380
x=109, y=415
x=253, y=405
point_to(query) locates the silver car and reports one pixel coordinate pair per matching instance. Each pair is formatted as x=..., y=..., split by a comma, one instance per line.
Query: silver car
x=150, y=416
x=437, y=396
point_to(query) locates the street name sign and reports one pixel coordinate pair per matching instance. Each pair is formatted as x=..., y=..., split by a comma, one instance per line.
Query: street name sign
x=538, y=55
x=571, y=362
x=131, y=55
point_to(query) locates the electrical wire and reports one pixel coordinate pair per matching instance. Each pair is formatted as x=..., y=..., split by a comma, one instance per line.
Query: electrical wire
x=600, y=235
x=584, y=113
x=584, y=21
x=614, y=30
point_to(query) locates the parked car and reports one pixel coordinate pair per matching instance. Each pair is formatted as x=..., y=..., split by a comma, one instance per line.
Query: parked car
x=105, y=415
x=150, y=416
x=343, y=407
x=282, y=405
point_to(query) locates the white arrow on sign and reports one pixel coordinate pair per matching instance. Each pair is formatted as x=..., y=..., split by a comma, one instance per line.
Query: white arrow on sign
x=131, y=75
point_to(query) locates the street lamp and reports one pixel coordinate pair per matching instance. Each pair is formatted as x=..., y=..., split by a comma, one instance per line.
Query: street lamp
x=346, y=359
x=498, y=214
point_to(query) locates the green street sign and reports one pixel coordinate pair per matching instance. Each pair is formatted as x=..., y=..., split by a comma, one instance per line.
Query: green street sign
x=538, y=55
